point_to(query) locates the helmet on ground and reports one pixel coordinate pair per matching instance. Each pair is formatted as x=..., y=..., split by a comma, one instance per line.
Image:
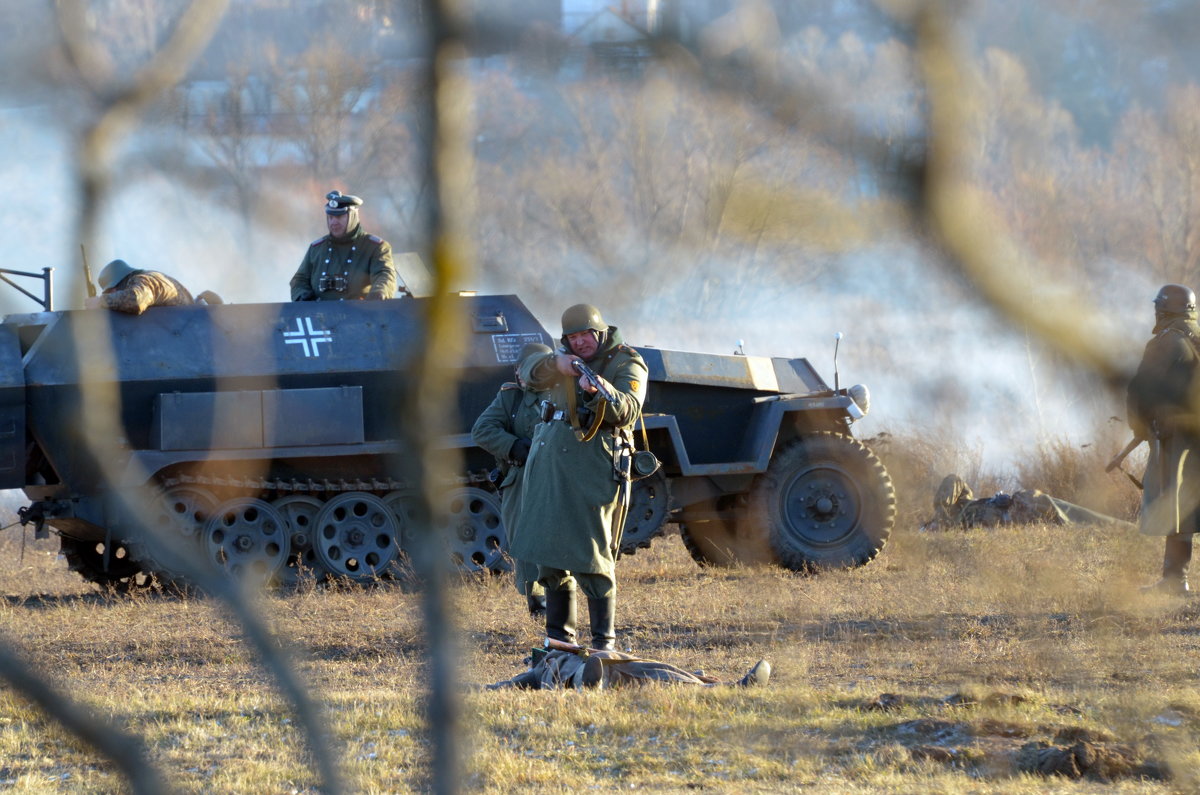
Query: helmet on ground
x=1175, y=299
x=582, y=317
x=532, y=349
x=113, y=273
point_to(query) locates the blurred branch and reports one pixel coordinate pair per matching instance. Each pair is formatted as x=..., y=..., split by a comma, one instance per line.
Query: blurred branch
x=427, y=399
x=970, y=229
x=125, y=750
x=119, y=108
x=101, y=406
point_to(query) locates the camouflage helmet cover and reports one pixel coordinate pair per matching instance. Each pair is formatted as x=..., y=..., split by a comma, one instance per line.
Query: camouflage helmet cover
x=1175, y=299
x=582, y=317
x=113, y=273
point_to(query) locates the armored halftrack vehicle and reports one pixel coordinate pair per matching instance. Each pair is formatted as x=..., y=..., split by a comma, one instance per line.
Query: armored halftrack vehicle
x=264, y=432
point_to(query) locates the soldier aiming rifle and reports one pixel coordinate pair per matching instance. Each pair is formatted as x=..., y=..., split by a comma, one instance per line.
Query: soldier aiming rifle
x=576, y=483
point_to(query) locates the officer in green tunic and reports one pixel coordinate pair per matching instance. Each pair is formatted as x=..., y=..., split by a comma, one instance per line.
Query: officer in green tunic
x=576, y=484
x=347, y=262
x=1161, y=404
x=505, y=429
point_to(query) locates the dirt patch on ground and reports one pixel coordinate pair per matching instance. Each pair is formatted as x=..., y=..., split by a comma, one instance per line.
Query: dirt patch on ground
x=1009, y=746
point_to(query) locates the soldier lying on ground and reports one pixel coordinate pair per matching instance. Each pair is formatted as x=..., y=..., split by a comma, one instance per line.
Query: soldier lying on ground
x=600, y=669
x=127, y=289
x=955, y=506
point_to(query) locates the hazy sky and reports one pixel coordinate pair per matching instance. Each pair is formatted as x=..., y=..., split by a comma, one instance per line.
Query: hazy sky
x=911, y=336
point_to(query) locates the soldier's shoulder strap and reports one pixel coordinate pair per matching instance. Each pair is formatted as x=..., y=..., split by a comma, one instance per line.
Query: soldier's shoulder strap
x=510, y=396
x=318, y=241
x=1188, y=335
x=622, y=348
x=376, y=239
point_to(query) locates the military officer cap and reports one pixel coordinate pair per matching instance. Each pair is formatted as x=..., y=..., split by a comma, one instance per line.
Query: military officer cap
x=336, y=203
x=113, y=273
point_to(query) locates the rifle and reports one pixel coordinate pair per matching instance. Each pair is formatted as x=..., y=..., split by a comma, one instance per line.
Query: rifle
x=562, y=645
x=87, y=273
x=1120, y=457
x=595, y=381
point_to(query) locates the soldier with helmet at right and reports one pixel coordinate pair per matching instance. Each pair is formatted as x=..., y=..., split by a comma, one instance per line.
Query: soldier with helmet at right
x=575, y=490
x=1162, y=409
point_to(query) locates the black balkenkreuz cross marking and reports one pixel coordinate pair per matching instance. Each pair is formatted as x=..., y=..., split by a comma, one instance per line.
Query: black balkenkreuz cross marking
x=305, y=335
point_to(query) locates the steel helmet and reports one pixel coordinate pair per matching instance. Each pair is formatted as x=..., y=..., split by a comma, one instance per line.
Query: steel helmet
x=113, y=273
x=582, y=317
x=532, y=349
x=1175, y=299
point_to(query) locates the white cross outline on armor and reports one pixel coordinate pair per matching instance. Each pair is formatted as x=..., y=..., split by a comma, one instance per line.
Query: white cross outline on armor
x=305, y=333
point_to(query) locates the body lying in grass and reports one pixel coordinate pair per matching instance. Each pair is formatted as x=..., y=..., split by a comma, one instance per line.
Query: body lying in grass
x=955, y=505
x=601, y=669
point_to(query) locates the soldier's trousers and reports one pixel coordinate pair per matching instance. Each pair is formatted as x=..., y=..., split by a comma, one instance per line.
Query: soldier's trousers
x=594, y=586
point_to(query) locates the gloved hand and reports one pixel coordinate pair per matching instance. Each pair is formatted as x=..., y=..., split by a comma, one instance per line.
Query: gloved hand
x=306, y=296
x=519, y=451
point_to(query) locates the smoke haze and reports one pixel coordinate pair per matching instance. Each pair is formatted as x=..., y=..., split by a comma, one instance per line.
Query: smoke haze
x=571, y=208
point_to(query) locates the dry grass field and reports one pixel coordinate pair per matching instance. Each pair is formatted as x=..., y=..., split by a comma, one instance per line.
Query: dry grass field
x=957, y=662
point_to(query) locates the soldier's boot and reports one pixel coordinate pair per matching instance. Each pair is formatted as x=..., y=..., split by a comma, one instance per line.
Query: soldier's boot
x=757, y=676
x=592, y=673
x=536, y=602
x=1177, y=554
x=560, y=614
x=602, y=613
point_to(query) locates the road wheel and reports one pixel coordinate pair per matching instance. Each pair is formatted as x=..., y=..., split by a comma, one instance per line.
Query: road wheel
x=649, y=501
x=87, y=559
x=825, y=502
x=356, y=536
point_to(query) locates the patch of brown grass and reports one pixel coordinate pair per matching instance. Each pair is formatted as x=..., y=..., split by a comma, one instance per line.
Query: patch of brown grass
x=984, y=642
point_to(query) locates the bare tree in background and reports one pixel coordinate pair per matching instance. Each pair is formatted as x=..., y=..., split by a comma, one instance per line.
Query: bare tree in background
x=647, y=180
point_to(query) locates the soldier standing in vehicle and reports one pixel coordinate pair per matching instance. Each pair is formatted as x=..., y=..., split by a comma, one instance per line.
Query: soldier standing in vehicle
x=347, y=263
x=505, y=429
x=1162, y=410
x=576, y=490
x=124, y=288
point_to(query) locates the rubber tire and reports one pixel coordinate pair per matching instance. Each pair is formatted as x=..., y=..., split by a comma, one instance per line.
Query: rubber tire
x=826, y=502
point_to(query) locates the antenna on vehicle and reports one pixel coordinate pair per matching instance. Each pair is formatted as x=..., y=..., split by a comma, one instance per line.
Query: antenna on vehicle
x=837, y=339
x=741, y=349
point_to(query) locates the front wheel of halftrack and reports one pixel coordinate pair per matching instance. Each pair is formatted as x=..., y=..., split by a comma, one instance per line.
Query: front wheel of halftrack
x=825, y=501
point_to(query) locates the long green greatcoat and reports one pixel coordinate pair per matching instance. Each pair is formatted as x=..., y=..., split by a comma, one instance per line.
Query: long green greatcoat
x=365, y=261
x=512, y=415
x=572, y=505
x=1160, y=408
